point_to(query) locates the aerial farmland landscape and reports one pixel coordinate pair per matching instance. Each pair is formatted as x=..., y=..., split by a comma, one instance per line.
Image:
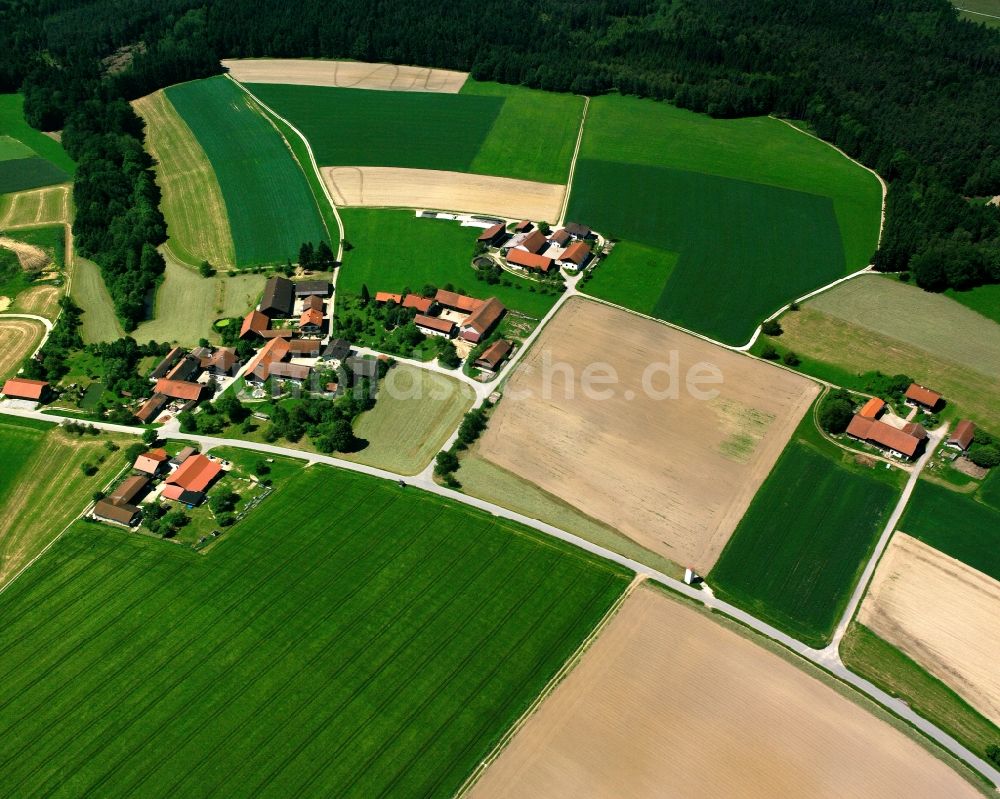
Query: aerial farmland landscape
x=552, y=399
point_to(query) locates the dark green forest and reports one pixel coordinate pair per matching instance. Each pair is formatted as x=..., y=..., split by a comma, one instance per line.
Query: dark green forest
x=905, y=86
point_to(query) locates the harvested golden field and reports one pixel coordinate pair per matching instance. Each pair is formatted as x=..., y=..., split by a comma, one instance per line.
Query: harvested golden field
x=673, y=473
x=828, y=338
x=196, y=214
x=18, y=338
x=345, y=74
x=36, y=207
x=39, y=300
x=943, y=614
x=667, y=702
x=396, y=187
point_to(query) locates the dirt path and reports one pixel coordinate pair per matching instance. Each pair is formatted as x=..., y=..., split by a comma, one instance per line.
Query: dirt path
x=572, y=164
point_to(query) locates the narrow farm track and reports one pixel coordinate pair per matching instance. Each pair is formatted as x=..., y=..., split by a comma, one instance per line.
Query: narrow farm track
x=821, y=658
x=572, y=164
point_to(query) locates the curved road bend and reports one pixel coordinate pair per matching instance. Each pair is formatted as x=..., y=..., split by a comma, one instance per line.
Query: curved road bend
x=818, y=657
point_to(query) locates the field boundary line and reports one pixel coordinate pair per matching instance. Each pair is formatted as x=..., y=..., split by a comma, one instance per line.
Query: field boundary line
x=312, y=159
x=550, y=686
x=977, y=13
x=572, y=163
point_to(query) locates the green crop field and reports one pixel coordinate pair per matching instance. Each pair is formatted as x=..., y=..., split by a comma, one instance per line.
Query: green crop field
x=12, y=148
x=744, y=248
x=635, y=278
x=270, y=206
x=488, y=129
x=20, y=174
x=750, y=205
x=956, y=524
x=42, y=486
x=43, y=206
x=197, y=222
x=393, y=250
x=799, y=550
x=415, y=413
x=359, y=127
x=377, y=642
x=14, y=125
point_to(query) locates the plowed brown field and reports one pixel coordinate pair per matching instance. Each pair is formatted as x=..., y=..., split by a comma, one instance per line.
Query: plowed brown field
x=667, y=703
x=675, y=474
x=346, y=74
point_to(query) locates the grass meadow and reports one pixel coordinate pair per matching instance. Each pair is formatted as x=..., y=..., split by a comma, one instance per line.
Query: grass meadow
x=42, y=485
x=415, y=413
x=878, y=661
x=765, y=245
x=984, y=300
x=99, y=322
x=956, y=524
x=636, y=277
x=376, y=642
x=360, y=127
x=392, y=250
x=750, y=204
x=43, y=206
x=197, y=220
x=21, y=174
x=270, y=206
x=802, y=544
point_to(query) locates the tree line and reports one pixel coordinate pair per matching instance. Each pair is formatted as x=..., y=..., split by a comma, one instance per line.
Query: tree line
x=904, y=86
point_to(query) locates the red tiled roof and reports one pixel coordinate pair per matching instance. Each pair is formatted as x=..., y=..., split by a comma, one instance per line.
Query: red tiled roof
x=872, y=408
x=304, y=346
x=254, y=322
x=128, y=489
x=123, y=514
x=422, y=304
x=522, y=225
x=434, y=323
x=459, y=302
x=885, y=435
x=483, y=318
x=494, y=354
x=291, y=371
x=963, y=434
x=491, y=232
x=576, y=253
x=922, y=395
x=223, y=359
x=314, y=302
x=529, y=260
x=178, y=389
x=311, y=317
x=274, y=350
x=151, y=407
x=560, y=237
x=388, y=296
x=23, y=388
x=534, y=242
x=195, y=474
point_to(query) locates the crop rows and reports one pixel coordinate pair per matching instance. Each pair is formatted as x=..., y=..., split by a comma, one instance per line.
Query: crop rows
x=374, y=642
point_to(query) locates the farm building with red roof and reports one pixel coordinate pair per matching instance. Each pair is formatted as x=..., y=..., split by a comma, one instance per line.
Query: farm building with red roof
x=457, y=302
x=481, y=321
x=254, y=323
x=574, y=256
x=493, y=236
x=921, y=396
x=420, y=304
x=434, y=325
x=872, y=409
x=179, y=389
x=529, y=260
x=907, y=442
x=196, y=473
x=22, y=388
x=151, y=462
x=961, y=437
x=388, y=296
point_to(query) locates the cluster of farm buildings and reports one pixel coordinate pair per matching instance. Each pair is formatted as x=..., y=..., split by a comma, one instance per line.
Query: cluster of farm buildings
x=903, y=438
x=184, y=479
x=529, y=249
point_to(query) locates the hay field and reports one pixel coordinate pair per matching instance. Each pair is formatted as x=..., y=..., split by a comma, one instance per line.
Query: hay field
x=187, y=304
x=376, y=642
x=943, y=614
x=39, y=300
x=392, y=187
x=18, y=339
x=197, y=220
x=46, y=206
x=669, y=703
x=857, y=349
x=270, y=205
x=935, y=323
x=684, y=469
x=345, y=74
x=43, y=487
x=100, y=323
x=415, y=413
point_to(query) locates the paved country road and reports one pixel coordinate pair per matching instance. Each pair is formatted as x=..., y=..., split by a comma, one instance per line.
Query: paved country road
x=824, y=658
